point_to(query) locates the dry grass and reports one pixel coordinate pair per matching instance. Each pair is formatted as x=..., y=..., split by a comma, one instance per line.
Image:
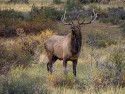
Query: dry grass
x=39, y=3
x=27, y=7
x=20, y=7
x=37, y=74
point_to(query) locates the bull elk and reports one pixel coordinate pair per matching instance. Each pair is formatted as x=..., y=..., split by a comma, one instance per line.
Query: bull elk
x=66, y=48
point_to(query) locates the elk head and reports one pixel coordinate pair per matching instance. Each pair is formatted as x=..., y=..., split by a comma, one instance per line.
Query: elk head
x=76, y=28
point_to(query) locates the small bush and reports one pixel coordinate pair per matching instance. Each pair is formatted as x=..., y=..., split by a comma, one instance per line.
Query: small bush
x=11, y=14
x=123, y=28
x=85, y=1
x=19, y=81
x=13, y=55
x=19, y=1
x=37, y=20
x=10, y=19
x=67, y=81
x=99, y=39
x=23, y=51
x=61, y=81
x=103, y=74
x=113, y=15
x=117, y=58
x=69, y=5
x=111, y=71
x=73, y=4
x=56, y=1
x=52, y=13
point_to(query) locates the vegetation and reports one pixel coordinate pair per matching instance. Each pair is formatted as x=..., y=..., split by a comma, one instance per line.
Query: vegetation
x=57, y=1
x=18, y=1
x=101, y=66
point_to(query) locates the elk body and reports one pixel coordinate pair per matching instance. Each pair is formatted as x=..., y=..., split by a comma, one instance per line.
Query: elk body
x=66, y=48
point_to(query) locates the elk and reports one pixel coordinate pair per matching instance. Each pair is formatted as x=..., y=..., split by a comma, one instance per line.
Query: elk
x=68, y=47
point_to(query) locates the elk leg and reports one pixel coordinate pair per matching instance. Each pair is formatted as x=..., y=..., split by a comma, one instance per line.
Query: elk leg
x=54, y=58
x=50, y=61
x=48, y=68
x=74, y=67
x=65, y=66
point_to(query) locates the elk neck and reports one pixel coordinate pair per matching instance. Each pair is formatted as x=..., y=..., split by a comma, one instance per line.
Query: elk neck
x=76, y=42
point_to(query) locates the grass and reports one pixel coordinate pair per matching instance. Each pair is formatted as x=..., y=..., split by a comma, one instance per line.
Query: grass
x=34, y=79
x=25, y=7
x=21, y=80
x=39, y=3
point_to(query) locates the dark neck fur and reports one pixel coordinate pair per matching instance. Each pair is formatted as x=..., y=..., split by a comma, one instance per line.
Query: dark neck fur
x=76, y=42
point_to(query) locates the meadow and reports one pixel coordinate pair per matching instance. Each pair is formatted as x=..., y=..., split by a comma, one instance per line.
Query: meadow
x=23, y=70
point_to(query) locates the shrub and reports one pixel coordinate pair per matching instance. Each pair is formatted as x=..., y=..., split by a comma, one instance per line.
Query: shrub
x=52, y=13
x=10, y=19
x=57, y=1
x=123, y=30
x=117, y=58
x=113, y=15
x=99, y=39
x=19, y=81
x=111, y=71
x=45, y=13
x=67, y=81
x=22, y=51
x=110, y=15
x=71, y=4
x=103, y=75
x=37, y=20
x=93, y=1
x=12, y=55
x=19, y=1
x=34, y=11
x=11, y=14
x=85, y=1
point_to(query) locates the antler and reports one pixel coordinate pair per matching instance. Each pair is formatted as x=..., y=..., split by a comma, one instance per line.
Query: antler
x=93, y=18
x=63, y=19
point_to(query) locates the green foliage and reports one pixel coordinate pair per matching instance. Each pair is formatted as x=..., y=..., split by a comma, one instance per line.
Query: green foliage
x=52, y=13
x=113, y=15
x=57, y=1
x=71, y=4
x=19, y=81
x=94, y=1
x=33, y=22
x=67, y=81
x=99, y=39
x=117, y=58
x=19, y=1
x=105, y=42
x=9, y=21
x=11, y=14
x=13, y=55
x=110, y=14
x=123, y=28
x=111, y=71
